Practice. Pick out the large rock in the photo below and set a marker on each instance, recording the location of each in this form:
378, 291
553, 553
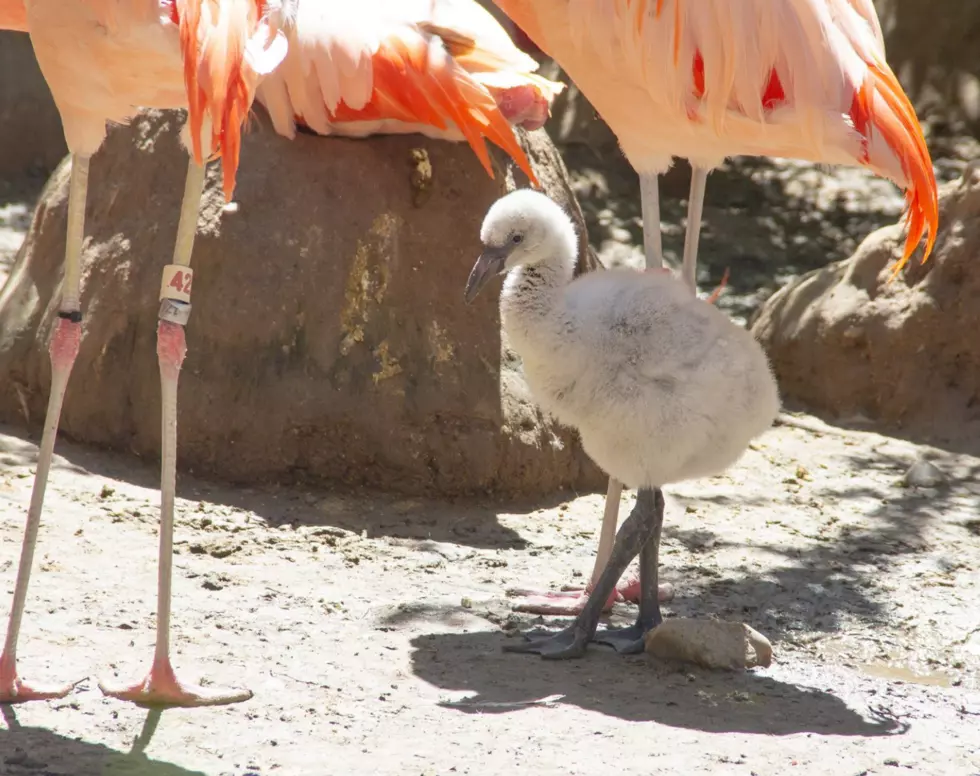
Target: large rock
31, 137
328, 340
845, 341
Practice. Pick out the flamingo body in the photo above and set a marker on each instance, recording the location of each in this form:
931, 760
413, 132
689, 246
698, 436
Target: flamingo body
13, 16
105, 59
704, 80
114, 83
444, 68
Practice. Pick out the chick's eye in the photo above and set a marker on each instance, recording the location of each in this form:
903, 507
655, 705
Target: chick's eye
517, 238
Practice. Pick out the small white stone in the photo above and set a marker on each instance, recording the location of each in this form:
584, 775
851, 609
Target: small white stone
923, 474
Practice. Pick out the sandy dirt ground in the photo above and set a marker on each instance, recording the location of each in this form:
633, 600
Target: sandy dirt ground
370, 628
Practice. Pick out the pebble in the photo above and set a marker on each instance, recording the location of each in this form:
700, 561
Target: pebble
923, 474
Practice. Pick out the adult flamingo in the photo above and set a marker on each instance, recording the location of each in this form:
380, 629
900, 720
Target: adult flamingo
382, 65
709, 79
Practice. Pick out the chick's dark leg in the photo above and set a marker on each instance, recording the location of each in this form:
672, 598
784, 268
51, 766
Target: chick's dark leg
636, 532
629, 641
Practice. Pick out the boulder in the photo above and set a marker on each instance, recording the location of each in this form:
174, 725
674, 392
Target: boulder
329, 340
845, 341
31, 138
710, 644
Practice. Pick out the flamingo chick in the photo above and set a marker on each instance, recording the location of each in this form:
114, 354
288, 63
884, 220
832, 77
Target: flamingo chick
661, 386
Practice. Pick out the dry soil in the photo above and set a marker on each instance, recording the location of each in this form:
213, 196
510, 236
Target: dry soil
370, 629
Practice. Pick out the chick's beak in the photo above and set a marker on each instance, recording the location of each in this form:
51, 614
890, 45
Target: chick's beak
490, 263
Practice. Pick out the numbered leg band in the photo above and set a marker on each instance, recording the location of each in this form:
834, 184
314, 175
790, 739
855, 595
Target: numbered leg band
176, 283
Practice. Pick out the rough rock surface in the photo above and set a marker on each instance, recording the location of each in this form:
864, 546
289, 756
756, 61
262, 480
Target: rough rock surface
710, 643
31, 138
844, 340
329, 339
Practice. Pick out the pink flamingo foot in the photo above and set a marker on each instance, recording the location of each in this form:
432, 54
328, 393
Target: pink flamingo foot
567, 602
630, 591
524, 106
16, 690
571, 599
161, 687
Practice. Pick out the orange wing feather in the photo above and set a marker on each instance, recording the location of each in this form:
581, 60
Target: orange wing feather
898, 125
900, 128
411, 88
219, 82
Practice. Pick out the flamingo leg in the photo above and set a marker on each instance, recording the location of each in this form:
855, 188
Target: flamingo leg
647, 588
653, 252
636, 533
653, 245
631, 640
639, 590
572, 600
161, 687
63, 350
695, 209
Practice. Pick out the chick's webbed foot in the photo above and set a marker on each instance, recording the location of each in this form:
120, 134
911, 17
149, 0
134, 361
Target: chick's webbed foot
568, 643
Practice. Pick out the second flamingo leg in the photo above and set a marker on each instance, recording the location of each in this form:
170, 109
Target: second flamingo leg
161, 687
63, 350
632, 589
635, 533
571, 600
692, 236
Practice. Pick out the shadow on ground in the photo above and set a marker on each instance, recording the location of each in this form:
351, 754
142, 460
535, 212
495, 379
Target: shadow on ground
956, 439
634, 689
835, 576
26, 750
839, 574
